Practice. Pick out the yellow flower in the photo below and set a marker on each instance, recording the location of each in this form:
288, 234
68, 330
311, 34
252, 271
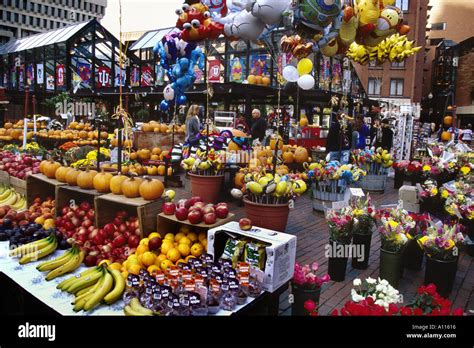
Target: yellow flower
434, 191
393, 224
465, 170
445, 194
426, 168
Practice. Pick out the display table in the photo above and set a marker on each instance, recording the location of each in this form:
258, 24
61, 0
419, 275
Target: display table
33, 281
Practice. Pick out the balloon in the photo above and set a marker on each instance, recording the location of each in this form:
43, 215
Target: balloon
268, 11
290, 73
218, 8
245, 26
306, 82
195, 23
290, 87
168, 92
236, 193
305, 66
181, 100
164, 105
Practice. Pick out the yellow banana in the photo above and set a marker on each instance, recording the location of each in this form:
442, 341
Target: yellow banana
34, 256
5, 194
11, 199
55, 263
20, 204
80, 301
31, 247
137, 307
119, 287
85, 290
84, 282
76, 278
68, 267
11, 195
132, 313
100, 293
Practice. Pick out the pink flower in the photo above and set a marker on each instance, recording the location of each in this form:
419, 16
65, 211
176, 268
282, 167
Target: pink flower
314, 266
310, 305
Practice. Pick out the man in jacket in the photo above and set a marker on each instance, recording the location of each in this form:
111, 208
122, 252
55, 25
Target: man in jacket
259, 126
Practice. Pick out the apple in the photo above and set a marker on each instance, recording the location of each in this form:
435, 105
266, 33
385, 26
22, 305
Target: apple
199, 205
119, 241
90, 214
183, 203
85, 206
195, 216
193, 200
181, 213
98, 239
168, 208
222, 211
222, 204
134, 241
208, 209
109, 229
245, 224
195, 208
154, 243
90, 260
210, 218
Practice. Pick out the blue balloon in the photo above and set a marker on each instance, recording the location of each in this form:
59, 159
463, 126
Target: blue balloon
181, 99
164, 105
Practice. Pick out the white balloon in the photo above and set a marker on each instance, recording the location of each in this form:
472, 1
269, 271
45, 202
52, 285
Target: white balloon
236, 193
245, 26
168, 92
306, 82
290, 73
269, 11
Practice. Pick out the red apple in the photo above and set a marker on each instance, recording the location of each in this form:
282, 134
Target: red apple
245, 224
182, 203
85, 206
119, 241
154, 243
109, 229
168, 208
134, 241
194, 200
208, 209
181, 213
90, 214
210, 218
223, 204
195, 217
90, 260
98, 239
222, 211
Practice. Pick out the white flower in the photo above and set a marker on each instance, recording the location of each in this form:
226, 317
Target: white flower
356, 297
357, 282
380, 288
383, 282
371, 281
380, 302
381, 295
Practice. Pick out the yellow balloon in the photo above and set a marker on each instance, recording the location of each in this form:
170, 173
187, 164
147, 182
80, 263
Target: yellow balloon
305, 66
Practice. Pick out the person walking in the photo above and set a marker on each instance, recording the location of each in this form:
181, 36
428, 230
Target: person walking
259, 126
193, 125
363, 131
387, 135
339, 140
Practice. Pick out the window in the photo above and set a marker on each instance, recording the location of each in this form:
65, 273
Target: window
9, 16
45, 23
374, 86
53, 11
31, 20
40, 8
32, 6
17, 3
24, 4
16, 17
398, 65
438, 26
435, 42
373, 65
10, 3
396, 87
51, 24
38, 22
60, 12
403, 5
46, 9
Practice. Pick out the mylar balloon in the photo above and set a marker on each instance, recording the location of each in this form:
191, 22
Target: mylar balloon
305, 66
236, 193
168, 92
306, 82
164, 106
290, 73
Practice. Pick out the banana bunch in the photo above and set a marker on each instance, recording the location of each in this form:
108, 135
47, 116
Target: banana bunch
35, 250
188, 163
135, 309
93, 286
260, 183
8, 196
66, 263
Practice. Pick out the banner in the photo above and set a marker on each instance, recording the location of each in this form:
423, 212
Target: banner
214, 71
30, 75
60, 75
84, 72
103, 77
199, 74
135, 77
237, 70
325, 73
336, 84
159, 75
49, 82
117, 81
147, 76
39, 73
259, 64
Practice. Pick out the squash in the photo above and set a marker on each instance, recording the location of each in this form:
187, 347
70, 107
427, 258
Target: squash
144, 154
104, 135
288, 157
133, 156
448, 120
101, 182
301, 155
161, 170
115, 184
446, 136
233, 146
156, 151
163, 128
282, 170
71, 176
85, 179
60, 174
239, 180
273, 143
155, 158
152, 170
50, 167
147, 127
151, 189
131, 187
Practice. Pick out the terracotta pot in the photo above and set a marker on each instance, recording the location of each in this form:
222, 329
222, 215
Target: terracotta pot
207, 187
270, 216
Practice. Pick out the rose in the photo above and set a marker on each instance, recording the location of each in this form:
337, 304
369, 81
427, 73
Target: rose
310, 305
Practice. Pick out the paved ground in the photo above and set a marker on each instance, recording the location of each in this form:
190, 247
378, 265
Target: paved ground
311, 230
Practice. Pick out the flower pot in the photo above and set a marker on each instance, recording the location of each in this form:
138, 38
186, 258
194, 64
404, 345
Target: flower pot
300, 296
391, 267
399, 179
270, 216
413, 256
442, 274
361, 242
337, 265
206, 187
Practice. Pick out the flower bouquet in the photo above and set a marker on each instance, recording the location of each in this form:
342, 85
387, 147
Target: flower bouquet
364, 214
430, 200
379, 290
374, 162
306, 286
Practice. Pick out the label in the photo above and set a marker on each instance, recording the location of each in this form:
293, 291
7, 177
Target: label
170, 304
215, 267
196, 263
185, 266
233, 284
208, 258
231, 273
244, 279
157, 295
225, 287
189, 285
176, 303
165, 291
194, 299
243, 267
199, 280
187, 275
160, 277
218, 278
173, 270
225, 263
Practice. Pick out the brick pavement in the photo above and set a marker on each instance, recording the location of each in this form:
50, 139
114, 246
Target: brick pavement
312, 236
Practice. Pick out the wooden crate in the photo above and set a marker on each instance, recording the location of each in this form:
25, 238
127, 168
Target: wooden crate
149, 140
39, 185
170, 224
65, 194
107, 206
18, 184
4, 177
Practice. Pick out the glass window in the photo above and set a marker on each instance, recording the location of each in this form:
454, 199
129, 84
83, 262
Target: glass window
9, 16
17, 3
24, 4
40, 8
45, 23
32, 6
398, 65
438, 26
373, 65
60, 12
403, 5
16, 17
374, 86
38, 21
396, 87
10, 3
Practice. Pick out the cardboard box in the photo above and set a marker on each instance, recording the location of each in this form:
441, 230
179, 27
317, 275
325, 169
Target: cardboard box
408, 194
411, 207
280, 251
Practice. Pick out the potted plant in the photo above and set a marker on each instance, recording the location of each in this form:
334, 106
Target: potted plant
306, 286
363, 213
340, 236
205, 170
376, 164
440, 245
393, 240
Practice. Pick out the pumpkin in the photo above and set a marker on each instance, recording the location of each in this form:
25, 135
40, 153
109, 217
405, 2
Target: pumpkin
104, 135
127, 143
156, 151
61, 173
133, 156
71, 177
125, 169
49, 168
161, 170
233, 146
282, 170
8, 125
152, 170
164, 154
301, 155
144, 154
266, 81
446, 136
147, 127
239, 180
115, 183
448, 120
151, 189
303, 122
155, 157
163, 128
101, 182
131, 187
114, 142
85, 179
288, 157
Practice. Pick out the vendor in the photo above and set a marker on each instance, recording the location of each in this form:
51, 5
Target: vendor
259, 126
339, 139
193, 125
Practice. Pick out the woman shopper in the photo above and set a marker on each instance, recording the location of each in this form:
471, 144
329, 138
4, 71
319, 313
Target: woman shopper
193, 125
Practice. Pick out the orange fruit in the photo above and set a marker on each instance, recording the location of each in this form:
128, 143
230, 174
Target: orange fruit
173, 255
116, 266
159, 259
165, 247
169, 236
197, 249
144, 241
142, 249
185, 240
202, 236
153, 268
134, 269
178, 236
165, 264
148, 259
184, 249
192, 237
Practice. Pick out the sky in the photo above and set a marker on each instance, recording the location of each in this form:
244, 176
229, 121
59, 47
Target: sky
140, 15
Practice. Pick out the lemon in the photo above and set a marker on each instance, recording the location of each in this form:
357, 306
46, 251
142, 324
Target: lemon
160, 259
134, 269
186, 240
144, 241
165, 264
197, 249
148, 259
141, 249
169, 236
192, 237
202, 236
153, 235
173, 255
178, 236
204, 244
184, 249
165, 247
117, 266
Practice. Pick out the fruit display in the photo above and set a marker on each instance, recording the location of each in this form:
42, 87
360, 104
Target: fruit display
19, 166
23, 234
195, 211
66, 263
35, 250
156, 127
114, 242
9, 134
94, 286
135, 309
11, 199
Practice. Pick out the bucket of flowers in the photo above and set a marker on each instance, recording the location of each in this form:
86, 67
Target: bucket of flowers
441, 245
430, 200
376, 163
306, 286
364, 215
340, 224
